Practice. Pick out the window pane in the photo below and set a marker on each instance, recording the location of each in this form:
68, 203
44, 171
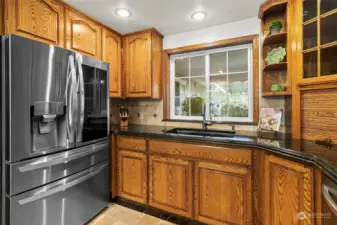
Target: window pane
328, 5
310, 35
181, 94
310, 64
238, 60
218, 95
328, 32
181, 67
198, 93
309, 9
328, 61
218, 63
197, 66
238, 100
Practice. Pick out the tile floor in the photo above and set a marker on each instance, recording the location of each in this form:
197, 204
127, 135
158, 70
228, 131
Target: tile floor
119, 215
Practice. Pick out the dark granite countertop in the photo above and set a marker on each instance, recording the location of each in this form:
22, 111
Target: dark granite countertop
303, 151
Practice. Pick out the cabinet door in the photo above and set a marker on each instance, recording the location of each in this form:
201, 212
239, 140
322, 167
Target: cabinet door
132, 176
288, 191
83, 35
170, 184
223, 194
41, 20
138, 65
112, 54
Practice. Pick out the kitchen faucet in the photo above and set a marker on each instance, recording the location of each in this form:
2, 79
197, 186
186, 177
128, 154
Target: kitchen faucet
204, 122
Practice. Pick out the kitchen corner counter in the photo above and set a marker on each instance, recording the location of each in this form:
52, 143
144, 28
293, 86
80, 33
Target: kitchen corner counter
303, 151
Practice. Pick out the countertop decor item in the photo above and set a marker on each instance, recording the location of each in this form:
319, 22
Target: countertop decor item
270, 119
275, 27
124, 115
276, 55
277, 88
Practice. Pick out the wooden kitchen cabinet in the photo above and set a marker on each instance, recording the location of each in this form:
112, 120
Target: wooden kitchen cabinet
41, 20
82, 34
170, 184
132, 176
223, 193
111, 53
288, 190
143, 64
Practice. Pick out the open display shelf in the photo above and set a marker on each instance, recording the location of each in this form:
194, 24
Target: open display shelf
277, 73
276, 66
275, 39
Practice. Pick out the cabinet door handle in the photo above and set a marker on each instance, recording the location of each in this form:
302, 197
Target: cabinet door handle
326, 190
326, 142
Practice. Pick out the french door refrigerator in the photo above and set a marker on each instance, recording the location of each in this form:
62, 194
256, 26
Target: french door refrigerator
54, 134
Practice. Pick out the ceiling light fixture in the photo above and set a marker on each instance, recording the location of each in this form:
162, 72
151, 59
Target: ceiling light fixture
125, 13
199, 15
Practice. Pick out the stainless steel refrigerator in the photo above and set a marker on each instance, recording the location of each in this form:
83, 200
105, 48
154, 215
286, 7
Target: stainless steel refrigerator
54, 134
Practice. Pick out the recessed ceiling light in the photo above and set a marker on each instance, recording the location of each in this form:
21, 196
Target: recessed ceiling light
125, 13
199, 15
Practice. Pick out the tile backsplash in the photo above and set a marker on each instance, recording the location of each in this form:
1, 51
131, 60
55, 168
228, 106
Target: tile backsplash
150, 112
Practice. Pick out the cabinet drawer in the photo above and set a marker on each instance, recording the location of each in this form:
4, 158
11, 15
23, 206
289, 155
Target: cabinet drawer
131, 143
235, 155
319, 114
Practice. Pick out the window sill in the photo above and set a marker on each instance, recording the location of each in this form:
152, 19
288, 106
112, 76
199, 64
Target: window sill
213, 122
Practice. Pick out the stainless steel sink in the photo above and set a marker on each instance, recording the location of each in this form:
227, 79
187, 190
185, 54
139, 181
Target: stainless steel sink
201, 132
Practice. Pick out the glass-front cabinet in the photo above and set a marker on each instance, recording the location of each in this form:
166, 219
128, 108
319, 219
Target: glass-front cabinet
319, 40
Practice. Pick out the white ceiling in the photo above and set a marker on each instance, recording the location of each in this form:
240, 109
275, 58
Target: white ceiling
167, 16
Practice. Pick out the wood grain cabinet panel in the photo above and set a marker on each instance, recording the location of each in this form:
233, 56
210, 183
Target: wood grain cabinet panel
132, 143
83, 35
138, 65
288, 191
142, 55
223, 194
132, 176
111, 53
318, 115
41, 20
170, 184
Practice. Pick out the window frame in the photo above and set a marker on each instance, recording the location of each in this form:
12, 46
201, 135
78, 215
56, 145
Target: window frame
206, 54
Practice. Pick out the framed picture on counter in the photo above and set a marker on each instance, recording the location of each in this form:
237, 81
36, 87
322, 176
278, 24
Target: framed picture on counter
270, 119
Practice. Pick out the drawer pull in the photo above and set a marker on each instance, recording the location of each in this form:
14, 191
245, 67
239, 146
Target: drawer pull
326, 142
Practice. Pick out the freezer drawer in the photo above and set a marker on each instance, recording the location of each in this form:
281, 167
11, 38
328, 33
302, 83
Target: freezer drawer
71, 201
30, 174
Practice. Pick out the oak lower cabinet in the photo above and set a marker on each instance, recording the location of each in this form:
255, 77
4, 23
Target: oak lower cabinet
288, 191
170, 184
41, 20
132, 176
111, 53
142, 54
223, 194
82, 34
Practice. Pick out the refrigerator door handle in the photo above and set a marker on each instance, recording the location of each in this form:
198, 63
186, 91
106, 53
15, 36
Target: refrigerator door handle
80, 89
63, 157
64, 187
71, 82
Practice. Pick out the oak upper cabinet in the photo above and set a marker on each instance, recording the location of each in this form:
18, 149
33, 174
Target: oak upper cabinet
223, 194
287, 192
82, 34
132, 176
143, 64
111, 53
170, 184
41, 20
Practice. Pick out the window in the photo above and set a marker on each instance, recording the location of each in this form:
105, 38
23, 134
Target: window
221, 78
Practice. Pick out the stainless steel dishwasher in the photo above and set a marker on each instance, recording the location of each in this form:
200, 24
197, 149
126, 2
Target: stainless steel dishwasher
329, 202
